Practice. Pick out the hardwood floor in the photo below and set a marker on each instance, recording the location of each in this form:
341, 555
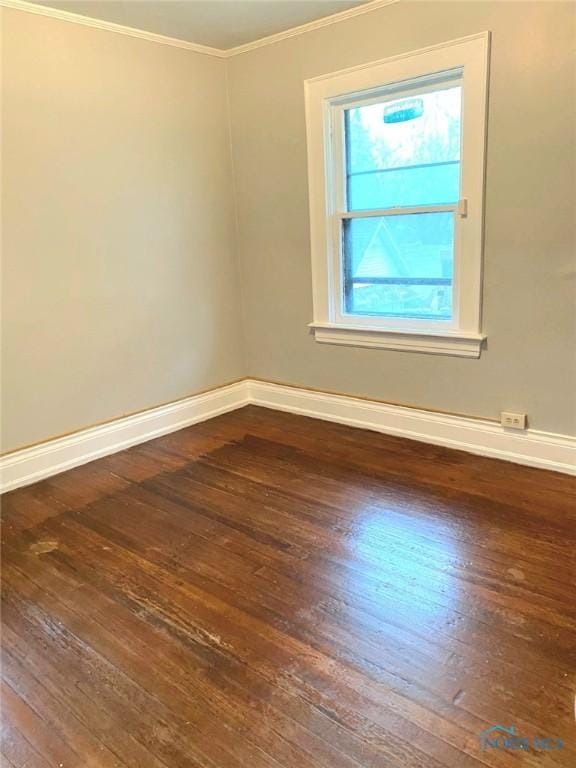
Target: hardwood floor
267, 590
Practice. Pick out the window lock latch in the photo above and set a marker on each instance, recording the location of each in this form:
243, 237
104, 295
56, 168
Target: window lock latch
462, 207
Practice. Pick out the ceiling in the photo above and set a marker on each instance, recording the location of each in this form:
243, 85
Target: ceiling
217, 23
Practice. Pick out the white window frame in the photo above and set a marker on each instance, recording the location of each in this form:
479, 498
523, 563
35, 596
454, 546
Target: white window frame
326, 99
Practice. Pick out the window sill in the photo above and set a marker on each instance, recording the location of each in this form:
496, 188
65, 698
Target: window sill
454, 343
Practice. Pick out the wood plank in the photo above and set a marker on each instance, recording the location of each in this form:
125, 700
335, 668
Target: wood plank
268, 590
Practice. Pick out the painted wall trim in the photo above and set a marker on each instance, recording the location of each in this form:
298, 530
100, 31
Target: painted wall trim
109, 26
531, 447
334, 18
459, 344
40, 461
485, 438
76, 18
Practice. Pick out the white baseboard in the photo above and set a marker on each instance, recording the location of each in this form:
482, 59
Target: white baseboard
40, 461
485, 438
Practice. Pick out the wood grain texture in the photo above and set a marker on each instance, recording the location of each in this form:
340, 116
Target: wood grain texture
270, 591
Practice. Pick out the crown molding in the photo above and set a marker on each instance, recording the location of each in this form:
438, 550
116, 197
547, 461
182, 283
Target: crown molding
109, 26
76, 18
326, 21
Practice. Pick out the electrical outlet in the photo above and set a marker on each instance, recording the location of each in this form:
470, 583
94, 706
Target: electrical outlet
513, 420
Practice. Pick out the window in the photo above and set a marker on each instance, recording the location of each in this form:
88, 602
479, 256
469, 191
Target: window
396, 171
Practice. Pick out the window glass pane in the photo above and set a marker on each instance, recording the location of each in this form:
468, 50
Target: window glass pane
405, 151
399, 266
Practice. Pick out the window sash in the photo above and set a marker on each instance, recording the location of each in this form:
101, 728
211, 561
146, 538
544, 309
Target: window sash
387, 93
403, 88
337, 193
369, 213
342, 282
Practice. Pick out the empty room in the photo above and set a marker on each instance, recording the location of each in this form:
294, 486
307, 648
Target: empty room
288, 424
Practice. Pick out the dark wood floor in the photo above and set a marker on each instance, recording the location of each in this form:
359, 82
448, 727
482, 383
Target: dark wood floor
266, 590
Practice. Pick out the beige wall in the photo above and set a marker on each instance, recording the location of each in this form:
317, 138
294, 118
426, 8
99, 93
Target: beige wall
529, 297
120, 285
